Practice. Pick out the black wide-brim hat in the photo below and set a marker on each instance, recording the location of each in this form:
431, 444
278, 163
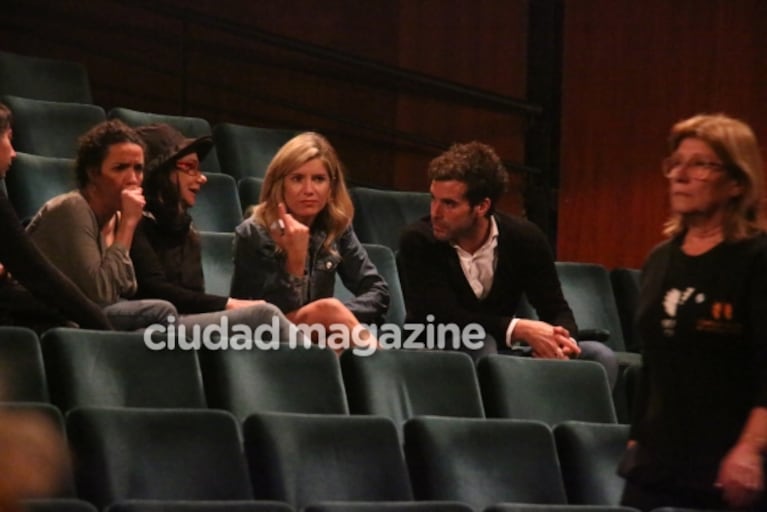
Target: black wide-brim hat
165, 144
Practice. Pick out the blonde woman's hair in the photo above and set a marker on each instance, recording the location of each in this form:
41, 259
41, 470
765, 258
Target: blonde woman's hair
337, 215
735, 144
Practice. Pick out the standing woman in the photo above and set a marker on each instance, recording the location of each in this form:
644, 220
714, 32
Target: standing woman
300, 235
33, 292
166, 251
700, 427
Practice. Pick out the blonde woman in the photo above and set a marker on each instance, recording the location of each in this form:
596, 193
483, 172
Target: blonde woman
300, 235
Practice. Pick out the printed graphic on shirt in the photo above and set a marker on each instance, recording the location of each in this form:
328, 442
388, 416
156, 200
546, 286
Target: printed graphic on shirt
718, 319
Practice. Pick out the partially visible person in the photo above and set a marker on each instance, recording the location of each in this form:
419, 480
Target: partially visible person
468, 263
166, 250
300, 235
699, 432
88, 233
33, 293
35, 461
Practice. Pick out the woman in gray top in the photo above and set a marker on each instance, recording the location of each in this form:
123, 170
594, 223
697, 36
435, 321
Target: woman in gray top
87, 233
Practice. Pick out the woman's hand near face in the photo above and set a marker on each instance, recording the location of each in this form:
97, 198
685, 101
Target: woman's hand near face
292, 237
132, 204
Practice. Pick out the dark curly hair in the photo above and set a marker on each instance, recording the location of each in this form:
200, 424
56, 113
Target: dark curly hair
475, 164
94, 144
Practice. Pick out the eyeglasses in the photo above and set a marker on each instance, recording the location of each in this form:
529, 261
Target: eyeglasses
696, 168
190, 168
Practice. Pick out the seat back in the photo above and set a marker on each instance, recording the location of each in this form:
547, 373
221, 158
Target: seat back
288, 379
547, 390
22, 375
482, 462
384, 260
250, 193
218, 204
164, 454
44, 78
401, 384
625, 282
395, 506
589, 454
102, 368
247, 150
309, 458
197, 506
380, 215
50, 128
192, 127
58, 505
33, 180
587, 289
217, 261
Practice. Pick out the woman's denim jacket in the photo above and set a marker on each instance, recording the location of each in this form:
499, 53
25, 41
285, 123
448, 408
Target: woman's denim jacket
259, 273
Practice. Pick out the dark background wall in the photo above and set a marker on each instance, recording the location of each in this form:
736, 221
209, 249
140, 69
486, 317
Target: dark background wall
632, 69
611, 76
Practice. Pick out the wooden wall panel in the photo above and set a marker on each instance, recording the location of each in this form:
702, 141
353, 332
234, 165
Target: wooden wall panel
197, 58
632, 69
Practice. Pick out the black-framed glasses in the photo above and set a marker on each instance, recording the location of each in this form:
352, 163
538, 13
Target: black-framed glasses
189, 168
696, 168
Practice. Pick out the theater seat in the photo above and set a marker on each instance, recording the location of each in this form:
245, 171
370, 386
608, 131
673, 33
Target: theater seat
288, 379
44, 78
482, 462
625, 283
381, 214
250, 193
156, 454
218, 205
306, 459
384, 260
401, 384
105, 368
57, 505
247, 150
51, 128
197, 506
547, 390
32, 180
217, 261
589, 454
22, 375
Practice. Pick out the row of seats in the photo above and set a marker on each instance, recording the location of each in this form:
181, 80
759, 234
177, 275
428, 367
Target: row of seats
73, 368
51, 128
304, 459
222, 202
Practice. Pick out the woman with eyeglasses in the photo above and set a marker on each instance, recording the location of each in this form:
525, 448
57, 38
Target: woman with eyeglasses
699, 431
166, 252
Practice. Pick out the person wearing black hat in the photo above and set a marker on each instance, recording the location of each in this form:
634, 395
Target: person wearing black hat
166, 252
87, 233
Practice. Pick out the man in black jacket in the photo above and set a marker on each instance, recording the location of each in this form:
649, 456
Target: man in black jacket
467, 263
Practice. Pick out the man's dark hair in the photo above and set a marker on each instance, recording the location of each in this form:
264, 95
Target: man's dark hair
94, 145
475, 164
